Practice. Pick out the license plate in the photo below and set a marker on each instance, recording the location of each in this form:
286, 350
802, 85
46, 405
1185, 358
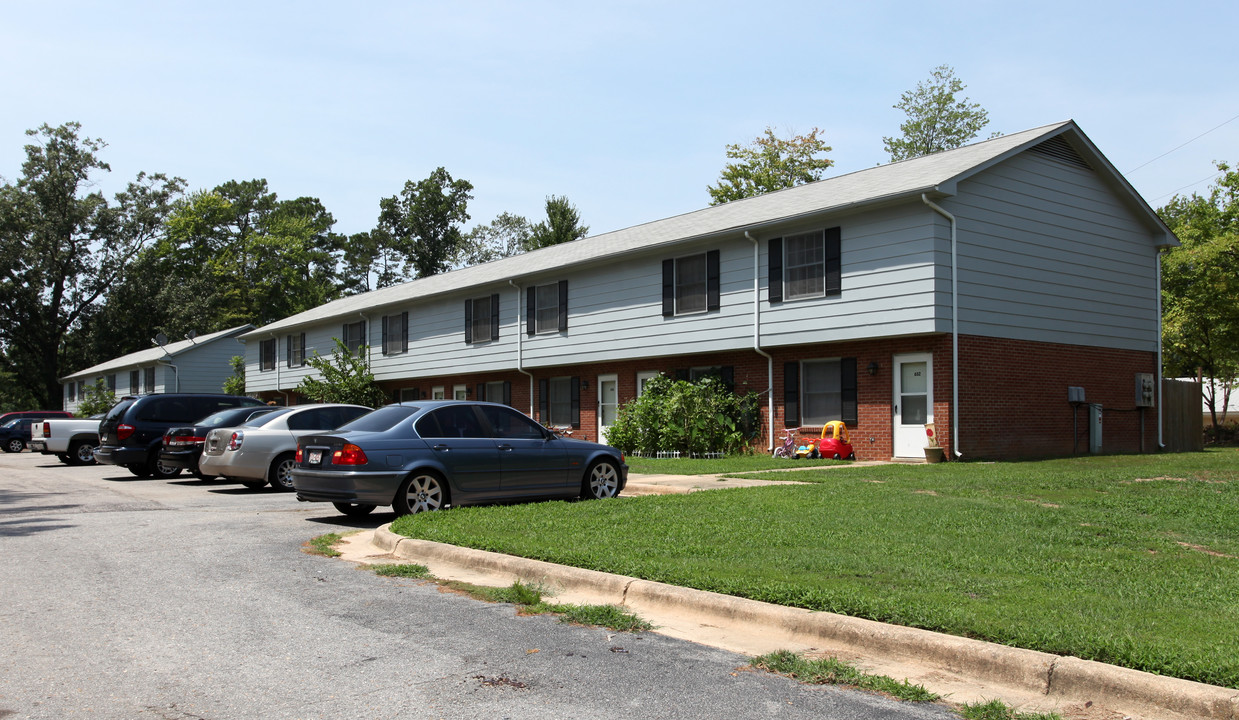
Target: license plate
315, 457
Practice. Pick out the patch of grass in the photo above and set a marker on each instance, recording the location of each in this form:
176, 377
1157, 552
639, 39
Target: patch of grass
404, 570
729, 464
529, 601
832, 671
1128, 560
998, 710
323, 545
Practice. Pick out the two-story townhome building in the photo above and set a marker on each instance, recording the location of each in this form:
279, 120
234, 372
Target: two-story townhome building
199, 365
970, 288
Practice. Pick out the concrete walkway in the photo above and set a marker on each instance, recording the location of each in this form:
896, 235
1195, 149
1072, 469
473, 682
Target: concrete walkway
960, 669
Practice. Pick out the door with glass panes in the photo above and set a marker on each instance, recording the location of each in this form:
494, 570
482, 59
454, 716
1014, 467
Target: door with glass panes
913, 403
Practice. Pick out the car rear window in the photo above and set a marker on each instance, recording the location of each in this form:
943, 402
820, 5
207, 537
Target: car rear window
268, 417
384, 418
119, 409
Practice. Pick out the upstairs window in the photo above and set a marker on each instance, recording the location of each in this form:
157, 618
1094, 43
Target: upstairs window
482, 319
354, 336
266, 354
133, 382
296, 350
112, 383
805, 265
691, 284
396, 333
71, 391
148, 379
547, 308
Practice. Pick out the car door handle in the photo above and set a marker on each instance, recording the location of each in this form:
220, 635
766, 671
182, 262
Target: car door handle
505, 446
441, 446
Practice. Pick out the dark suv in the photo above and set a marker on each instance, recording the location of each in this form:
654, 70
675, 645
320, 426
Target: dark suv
131, 434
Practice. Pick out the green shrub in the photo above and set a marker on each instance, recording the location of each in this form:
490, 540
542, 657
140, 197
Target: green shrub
692, 418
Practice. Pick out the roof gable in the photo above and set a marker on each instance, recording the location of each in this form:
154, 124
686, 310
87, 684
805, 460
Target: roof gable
150, 355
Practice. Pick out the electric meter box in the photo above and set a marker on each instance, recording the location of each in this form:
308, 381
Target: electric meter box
1075, 395
1144, 390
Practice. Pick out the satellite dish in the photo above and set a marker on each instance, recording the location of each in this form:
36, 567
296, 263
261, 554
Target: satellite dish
161, 339
191, 335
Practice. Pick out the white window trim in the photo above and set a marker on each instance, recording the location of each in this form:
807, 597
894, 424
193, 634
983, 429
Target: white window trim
438, 393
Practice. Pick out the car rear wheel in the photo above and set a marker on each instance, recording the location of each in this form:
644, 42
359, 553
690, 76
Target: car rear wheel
161, 470
281, 472
602, 481
354, 509
81, 452
421, 492
14, 445
140, 469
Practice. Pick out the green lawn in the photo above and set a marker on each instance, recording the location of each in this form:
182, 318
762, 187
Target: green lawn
1131, 560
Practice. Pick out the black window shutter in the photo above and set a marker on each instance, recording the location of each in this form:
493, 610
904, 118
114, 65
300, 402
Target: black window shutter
712, 283
531, 311
563, 306
791, 394
507, 393
494, 316
482, 391
543, 402
395, 395
576, 401
468, 322
774, 281
834, 264
847, 386
404, 332
385, 334
288, 351
727, 374
682, 374
302, 347
344, 336
668, 288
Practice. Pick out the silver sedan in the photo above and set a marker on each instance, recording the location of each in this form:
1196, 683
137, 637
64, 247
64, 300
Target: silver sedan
263, 449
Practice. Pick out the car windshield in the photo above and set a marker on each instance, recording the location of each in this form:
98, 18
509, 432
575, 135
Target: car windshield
232, 416
12, 423
382, 419
266, 418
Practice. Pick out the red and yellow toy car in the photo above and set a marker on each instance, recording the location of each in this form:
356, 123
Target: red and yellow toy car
835, 442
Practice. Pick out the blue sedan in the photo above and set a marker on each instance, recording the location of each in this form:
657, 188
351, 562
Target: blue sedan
423, 456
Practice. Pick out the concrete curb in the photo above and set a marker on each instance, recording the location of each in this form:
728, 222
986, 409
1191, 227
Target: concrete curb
1067, 679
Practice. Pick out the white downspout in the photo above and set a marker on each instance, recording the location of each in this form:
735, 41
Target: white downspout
1161, 445
520, 343
757, 336
954, 327
277, 369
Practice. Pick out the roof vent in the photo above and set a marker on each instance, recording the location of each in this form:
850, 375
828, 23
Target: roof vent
1059, 149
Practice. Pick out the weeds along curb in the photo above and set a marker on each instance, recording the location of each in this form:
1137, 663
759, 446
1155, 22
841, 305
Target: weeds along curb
1064, 678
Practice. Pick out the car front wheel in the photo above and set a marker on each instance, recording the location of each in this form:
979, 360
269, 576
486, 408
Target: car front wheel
421, 492
602, 481
281, 472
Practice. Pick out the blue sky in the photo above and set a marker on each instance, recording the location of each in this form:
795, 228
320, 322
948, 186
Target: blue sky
624, 107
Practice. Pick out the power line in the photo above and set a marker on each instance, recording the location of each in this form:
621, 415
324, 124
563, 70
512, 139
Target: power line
1189, 142
1176, 192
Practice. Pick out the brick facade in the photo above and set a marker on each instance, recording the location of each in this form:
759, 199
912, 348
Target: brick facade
1013, 394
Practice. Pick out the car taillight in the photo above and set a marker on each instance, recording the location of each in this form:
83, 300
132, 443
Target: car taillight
123, 431
349, 455
47, 429
297, 459
234, 443
181, 440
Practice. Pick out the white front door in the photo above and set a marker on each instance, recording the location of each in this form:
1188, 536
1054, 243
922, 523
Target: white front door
608, 404
913, 403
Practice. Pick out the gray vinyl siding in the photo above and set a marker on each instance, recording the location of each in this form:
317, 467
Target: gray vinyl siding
202, 369
1048, 253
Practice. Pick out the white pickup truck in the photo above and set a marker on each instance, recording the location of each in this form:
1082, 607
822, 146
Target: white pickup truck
73, 441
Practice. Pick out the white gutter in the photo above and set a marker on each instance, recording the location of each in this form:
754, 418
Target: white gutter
954, 327
757, 336
520, 342
1161, 444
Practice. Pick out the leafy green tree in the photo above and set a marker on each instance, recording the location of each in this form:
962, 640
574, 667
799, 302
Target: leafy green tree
63, 245
936, 120
1200, 289
424, 221
235, 384
345, 378
562, 224
771, 163
505, 236
690, 417
96, 399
